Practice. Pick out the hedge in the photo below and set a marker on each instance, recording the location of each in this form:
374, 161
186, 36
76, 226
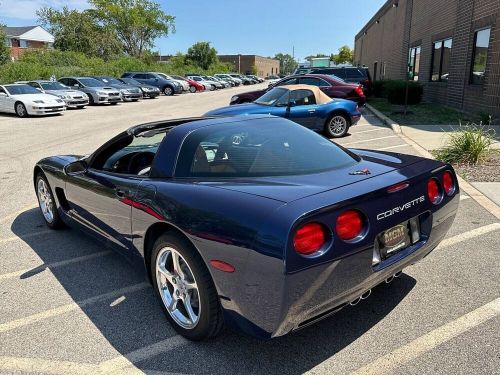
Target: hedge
42, 64
395, 91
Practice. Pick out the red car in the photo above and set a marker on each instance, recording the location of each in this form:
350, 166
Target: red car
331, 86
193, 85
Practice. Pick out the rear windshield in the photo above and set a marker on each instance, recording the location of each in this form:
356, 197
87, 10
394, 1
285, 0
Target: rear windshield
259, 148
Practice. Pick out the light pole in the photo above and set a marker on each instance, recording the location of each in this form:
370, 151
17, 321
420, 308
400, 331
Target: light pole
407, 61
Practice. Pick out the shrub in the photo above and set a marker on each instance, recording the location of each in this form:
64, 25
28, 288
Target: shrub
468, 144
395, 91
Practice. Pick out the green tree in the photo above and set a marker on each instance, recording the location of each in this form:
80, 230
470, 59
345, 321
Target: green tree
137, 23
202, 55
344, 56
4, 50
287, 63
79, 31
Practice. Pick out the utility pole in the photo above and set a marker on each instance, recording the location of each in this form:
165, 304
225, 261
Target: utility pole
407, 61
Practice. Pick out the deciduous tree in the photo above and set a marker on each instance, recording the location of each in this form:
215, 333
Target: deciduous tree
287, 63
202, 55
4, 50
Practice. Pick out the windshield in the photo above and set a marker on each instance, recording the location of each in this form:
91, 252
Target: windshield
110, 80
53, 86
130, 81
265, 147
91, 82
272, 97
21, 89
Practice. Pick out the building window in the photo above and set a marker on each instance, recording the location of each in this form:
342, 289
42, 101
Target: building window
479, 56
23, 43
414, 63
441, 54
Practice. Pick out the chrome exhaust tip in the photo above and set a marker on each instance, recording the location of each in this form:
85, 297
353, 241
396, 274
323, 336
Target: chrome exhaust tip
397, 274
355, 302
389, 279
366, 294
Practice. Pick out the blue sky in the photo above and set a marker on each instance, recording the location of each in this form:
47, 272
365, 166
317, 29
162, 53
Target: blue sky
262, 27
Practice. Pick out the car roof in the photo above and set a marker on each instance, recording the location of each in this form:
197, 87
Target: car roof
320, 96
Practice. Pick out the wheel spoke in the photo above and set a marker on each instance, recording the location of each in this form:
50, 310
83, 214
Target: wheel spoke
189, 308
191, 285
172, 305
177, 264
165, 273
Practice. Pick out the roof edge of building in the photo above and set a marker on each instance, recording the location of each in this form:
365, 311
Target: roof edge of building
381, 12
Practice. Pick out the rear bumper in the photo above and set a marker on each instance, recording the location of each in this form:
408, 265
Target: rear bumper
298, 299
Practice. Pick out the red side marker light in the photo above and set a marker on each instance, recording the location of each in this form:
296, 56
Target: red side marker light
222, 266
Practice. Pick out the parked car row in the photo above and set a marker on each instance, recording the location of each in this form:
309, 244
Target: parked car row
42, 97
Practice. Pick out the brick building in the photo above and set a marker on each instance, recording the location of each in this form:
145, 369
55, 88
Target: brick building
451, 46
20, 39
244, 64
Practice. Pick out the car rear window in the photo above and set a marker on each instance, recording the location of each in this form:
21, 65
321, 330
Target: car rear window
264, 147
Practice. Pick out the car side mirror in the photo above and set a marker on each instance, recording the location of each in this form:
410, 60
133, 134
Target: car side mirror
3, 94
76, 85
76, 167
157, 79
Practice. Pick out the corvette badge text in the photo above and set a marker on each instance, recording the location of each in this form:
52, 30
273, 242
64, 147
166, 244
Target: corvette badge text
401, 208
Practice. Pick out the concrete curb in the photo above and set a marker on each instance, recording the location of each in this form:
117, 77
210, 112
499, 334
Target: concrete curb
475, 194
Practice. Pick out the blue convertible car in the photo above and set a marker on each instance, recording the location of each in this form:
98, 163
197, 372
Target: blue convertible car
251, 222
306, 105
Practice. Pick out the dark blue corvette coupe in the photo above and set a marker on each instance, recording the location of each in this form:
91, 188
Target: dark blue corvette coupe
304, 104
251, 222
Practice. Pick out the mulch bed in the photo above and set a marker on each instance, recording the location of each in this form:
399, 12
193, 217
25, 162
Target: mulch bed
487, 171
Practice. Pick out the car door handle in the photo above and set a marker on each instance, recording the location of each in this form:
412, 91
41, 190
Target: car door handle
311, 110
120, 193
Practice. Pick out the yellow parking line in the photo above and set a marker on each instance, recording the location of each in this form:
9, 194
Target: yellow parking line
395, 359
469, 234
14, 214
4, 327
24, 236
61, 263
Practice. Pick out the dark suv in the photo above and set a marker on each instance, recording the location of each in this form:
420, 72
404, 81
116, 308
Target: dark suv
350, 74
167, 86
334, 88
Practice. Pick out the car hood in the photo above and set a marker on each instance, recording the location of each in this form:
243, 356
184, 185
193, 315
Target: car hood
105, 88
239, 109
47, 98
290, 188
64, 92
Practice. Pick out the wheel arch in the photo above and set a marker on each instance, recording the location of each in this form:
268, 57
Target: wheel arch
339, 111
36, 171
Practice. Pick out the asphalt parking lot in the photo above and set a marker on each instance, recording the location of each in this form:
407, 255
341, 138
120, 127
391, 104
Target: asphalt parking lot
70, 306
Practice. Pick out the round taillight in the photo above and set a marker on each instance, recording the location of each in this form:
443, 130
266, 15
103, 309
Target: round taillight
433, 192
309, 238
448, 184
349, 225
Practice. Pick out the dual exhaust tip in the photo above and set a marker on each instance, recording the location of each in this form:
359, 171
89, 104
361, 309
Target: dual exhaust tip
367, 294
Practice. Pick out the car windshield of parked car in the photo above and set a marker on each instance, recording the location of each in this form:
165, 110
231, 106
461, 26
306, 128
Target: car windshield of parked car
21, 89
91, 82
270, 147
130, 81
336, 78
53, 86
110, 80
275, 96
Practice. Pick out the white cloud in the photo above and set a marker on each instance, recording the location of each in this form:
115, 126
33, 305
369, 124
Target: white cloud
26, 9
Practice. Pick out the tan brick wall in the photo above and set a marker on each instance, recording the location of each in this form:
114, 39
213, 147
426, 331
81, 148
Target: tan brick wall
244, 64
432, 20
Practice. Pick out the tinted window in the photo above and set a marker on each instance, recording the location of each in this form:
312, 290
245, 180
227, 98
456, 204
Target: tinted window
291, 81
21, 90
303, 97
323, 83
481, 43
53, 86
91, 82
271, 147
309, 81
110, 80
441, 54
272, 97
141, 76
354, 73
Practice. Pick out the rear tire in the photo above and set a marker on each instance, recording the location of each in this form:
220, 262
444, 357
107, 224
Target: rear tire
192, 89
114, 103
201, 294
21, 110
91, 99
337, 126
47, 203
168, 91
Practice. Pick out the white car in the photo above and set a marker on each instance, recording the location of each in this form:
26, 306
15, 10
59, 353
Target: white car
72, 98
209, 85
24, 100
184, 84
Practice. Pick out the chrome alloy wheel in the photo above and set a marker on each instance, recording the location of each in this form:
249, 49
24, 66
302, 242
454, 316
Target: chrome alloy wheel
178, 288
45, 200
337, 125
20, 110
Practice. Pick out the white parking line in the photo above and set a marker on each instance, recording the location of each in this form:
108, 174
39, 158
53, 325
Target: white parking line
395, 359
369, 140
369, 131
24, 236
464, 197
4, 327
61, 263
45, 366
469, 234
391, 147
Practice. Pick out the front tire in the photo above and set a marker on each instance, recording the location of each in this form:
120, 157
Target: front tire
91, 99
337, 126
168, 91
192, 89
185, 289
21, 110
47, 203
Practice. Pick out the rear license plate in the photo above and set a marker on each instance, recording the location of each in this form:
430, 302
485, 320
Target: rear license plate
395, 239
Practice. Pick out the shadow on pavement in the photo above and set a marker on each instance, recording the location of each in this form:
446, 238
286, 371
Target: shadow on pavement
137, 321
